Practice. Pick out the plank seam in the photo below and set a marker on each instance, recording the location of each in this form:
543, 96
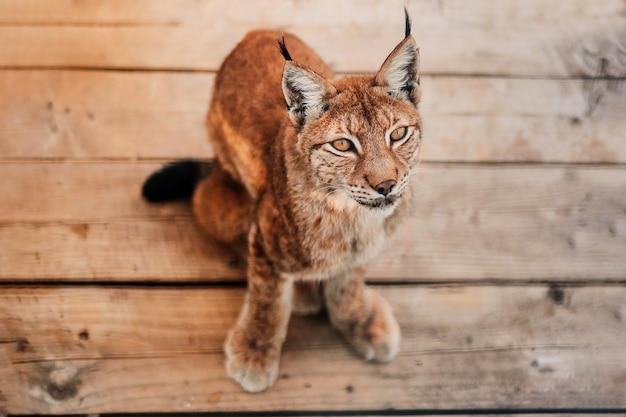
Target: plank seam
86, 24
436, 163
241, 283
537, 77
387, 412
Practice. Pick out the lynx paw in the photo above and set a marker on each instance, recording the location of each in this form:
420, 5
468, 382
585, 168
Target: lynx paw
254, 367
377, 337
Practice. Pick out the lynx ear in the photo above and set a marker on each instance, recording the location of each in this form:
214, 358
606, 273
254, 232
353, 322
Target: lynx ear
306, 93
400, 72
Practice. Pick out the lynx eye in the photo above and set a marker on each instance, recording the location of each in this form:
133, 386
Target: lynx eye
343, 145
398, 134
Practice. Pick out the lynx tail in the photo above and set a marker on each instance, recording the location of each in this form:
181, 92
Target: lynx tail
175, 181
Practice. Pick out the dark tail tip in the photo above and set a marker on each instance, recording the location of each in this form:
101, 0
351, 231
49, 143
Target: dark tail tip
175, 181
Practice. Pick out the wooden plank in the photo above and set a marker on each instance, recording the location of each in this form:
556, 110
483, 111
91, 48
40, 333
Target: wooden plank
86, 221
76, 114
96, 214
478, 119
86, 115
172, 250
511, 37
98, 350
40, 193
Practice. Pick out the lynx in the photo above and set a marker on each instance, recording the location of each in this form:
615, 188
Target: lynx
310, 180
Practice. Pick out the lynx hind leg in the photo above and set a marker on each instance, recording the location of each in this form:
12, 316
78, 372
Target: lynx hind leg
308, 298
222, 208
363, 317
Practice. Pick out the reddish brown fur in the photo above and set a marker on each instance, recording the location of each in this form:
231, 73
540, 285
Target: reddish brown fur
306, 212
231, 209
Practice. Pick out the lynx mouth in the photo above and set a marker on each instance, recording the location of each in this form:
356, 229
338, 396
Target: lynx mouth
379, 203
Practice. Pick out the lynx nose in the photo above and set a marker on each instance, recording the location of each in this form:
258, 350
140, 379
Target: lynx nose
385, 187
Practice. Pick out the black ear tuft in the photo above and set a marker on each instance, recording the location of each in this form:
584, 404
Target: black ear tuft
407, 23
283, 49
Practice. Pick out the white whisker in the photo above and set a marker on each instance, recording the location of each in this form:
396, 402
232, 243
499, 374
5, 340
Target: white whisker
416, 170
327, 188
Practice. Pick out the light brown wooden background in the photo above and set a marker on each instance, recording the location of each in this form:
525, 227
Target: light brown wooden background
509, 279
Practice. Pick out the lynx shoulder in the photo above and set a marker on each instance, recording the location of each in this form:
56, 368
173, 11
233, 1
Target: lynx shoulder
310, 179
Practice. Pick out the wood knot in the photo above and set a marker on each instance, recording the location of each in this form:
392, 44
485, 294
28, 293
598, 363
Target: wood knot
556, 294
60, 384
22, 345
62, 393
81, 230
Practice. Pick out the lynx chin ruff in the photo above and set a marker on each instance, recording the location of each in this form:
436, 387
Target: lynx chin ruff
310, 180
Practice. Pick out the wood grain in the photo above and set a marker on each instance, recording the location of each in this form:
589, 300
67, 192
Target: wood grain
89, 349
511, 37
87, 221
77, 114
520, 219
129, 115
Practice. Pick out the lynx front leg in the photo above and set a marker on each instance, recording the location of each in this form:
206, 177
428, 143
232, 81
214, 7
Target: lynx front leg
363, 316
254, 344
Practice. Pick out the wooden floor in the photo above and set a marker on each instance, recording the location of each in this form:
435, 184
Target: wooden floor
509, 280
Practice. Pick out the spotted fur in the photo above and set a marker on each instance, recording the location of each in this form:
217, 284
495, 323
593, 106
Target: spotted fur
308, 211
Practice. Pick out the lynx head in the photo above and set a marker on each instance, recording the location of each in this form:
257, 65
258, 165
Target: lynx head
361, 134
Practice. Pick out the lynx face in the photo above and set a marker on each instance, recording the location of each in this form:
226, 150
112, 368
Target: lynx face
361, 134
364, 147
